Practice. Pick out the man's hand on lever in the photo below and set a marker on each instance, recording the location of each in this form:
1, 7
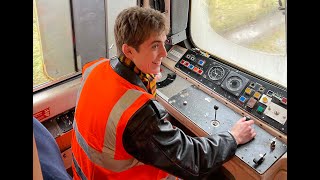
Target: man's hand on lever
242, 131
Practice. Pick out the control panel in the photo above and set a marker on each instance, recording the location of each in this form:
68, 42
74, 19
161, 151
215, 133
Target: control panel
260, 98
213, 116
208, 96
60, 124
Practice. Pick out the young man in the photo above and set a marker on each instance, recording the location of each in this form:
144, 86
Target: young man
121, 132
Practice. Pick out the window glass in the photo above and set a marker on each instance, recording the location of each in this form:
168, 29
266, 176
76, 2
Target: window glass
250, 34
53, 47
39, 76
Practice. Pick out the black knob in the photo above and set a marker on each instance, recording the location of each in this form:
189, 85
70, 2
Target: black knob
216, 107
248, 118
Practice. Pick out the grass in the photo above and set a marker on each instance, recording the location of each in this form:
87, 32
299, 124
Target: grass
227, 15
39, 76
233, 14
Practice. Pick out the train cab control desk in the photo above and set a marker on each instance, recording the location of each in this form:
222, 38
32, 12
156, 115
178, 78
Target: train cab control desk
208, 96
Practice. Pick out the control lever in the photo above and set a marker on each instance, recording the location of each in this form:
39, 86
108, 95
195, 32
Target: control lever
273, 143
247, 119
259, 160
215, 111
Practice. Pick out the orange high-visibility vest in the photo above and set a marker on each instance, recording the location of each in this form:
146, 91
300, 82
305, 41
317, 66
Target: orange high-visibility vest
105, 103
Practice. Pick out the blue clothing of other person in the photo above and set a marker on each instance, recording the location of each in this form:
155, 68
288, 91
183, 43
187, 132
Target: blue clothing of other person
51, 162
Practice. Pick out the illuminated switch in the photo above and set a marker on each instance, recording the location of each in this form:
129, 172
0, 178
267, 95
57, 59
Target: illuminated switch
242, 99
284, 100
248, 90
265, 99
260, 110
251, 102
201, 62
191, 66
257, 95
186, 63
182, 61
196, 69
200, 71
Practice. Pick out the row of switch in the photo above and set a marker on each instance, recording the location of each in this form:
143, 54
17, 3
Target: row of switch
191, 66
282, 100
266, 99
251, 102
192, 58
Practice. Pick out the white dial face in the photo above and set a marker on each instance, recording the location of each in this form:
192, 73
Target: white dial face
216, 73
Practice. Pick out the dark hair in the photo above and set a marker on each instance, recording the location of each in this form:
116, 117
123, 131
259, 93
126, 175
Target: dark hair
134, 25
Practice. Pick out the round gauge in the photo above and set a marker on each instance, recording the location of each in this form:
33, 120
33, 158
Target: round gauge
216, 73
234, 83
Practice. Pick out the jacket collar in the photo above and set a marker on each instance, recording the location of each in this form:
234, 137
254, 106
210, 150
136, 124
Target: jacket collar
126, 73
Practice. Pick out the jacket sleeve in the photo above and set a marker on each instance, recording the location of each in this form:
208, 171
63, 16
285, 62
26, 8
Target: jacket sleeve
151, 139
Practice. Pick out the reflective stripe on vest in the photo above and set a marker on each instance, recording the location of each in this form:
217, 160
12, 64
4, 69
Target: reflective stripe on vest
105, 158
78, 169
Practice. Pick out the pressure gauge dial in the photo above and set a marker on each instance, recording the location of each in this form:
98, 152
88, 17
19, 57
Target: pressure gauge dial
216, 73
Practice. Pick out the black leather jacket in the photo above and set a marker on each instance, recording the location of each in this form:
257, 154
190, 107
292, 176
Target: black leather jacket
152, 139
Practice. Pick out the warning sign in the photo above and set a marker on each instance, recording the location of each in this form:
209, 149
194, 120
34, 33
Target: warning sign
42, 114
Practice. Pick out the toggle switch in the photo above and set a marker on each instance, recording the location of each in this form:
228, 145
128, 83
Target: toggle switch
259, 160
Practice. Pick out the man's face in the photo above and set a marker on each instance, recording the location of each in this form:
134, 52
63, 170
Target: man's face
150, 54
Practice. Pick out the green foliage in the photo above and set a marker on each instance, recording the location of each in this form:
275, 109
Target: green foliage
39, 76
226, 15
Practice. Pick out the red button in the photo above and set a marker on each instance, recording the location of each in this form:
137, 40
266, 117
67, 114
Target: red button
284, 100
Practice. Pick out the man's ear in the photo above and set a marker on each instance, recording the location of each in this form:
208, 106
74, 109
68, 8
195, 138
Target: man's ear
127, 51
